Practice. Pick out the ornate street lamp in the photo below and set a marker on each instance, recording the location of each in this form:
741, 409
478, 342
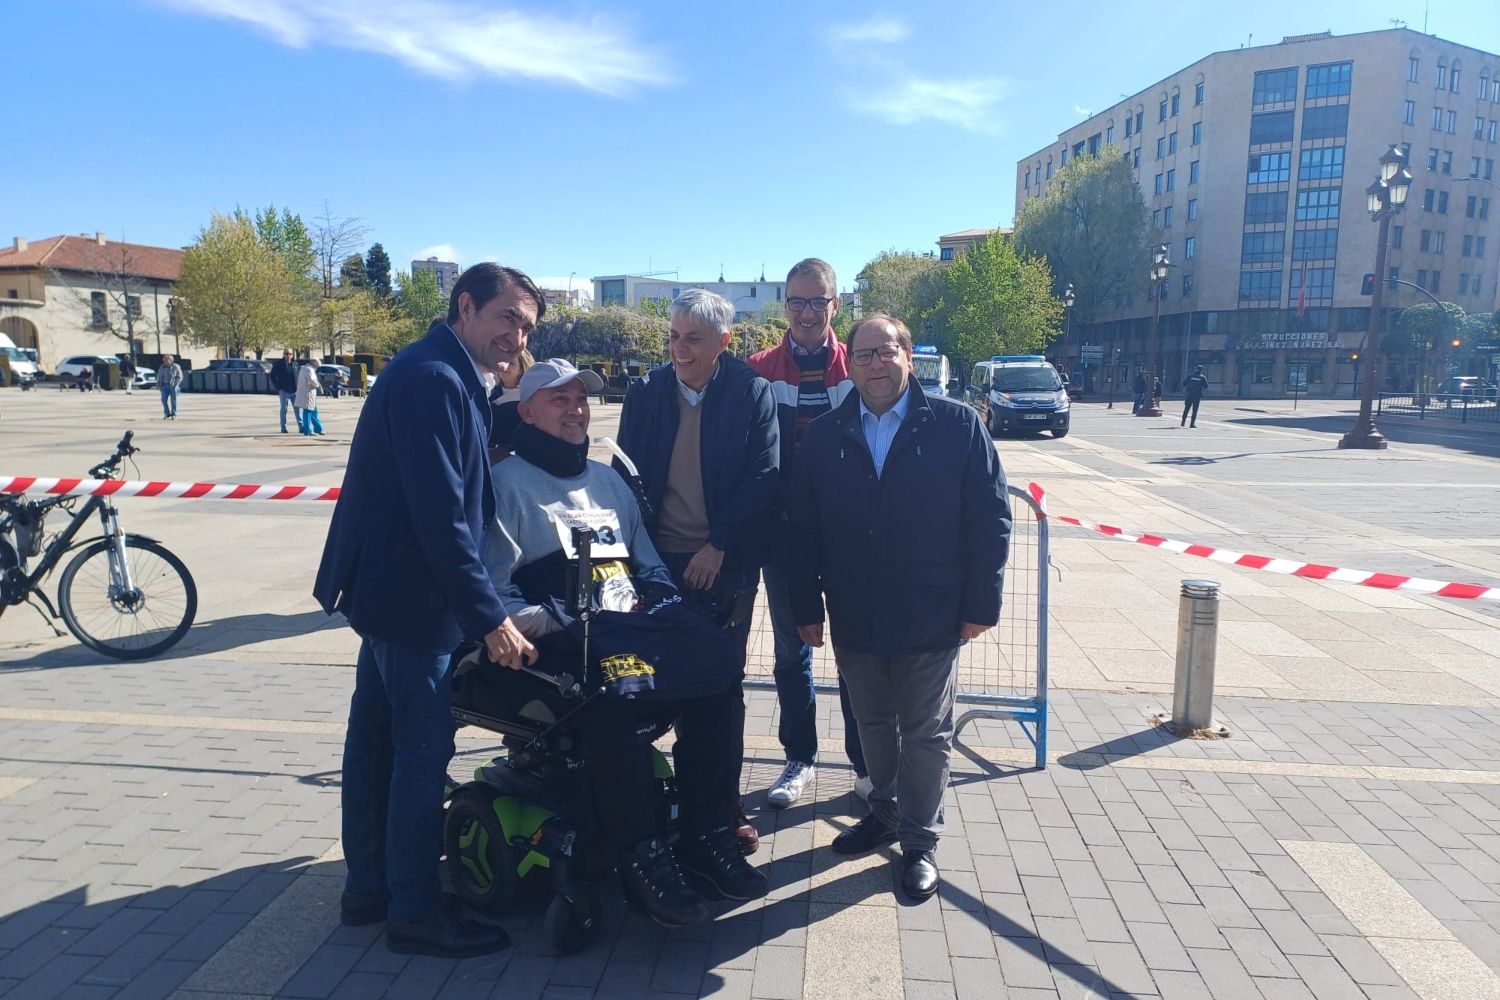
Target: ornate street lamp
1160, 266
1068, 298
1384, 199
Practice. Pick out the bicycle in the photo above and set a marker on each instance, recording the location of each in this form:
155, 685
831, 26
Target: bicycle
125, 596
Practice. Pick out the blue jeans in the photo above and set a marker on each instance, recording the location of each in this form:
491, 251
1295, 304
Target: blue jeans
287, 399
798, 729
308, 422
168, 400
396, 754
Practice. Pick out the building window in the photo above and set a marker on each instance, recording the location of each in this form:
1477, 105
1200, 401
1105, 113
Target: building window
1432, 158
1490, 132
1193, 172
1135, 160
1198, 95
1274, 86
1270, 168
1156, 218
1191, 248
1437, 282
1422, 278
1166, 217
1442, 203
1433, 241
1413, 69
1427, 197
1187, 285
1077, 150
1396, 233
1321, 164
1471, 205
1463, 283
1273, 127
1197, 133
1171, 180
1094, 144
1484, 208
1161, 146
1319, 203
1315, 244
1318, 282
1172, 143
1176, 104
98, 310
1028, 179
1265, 209
133, 306
1447, 163
1158, 184
1409, 114
1479, 126
1128, 122
1437, 119
1109, 136
1329, 80
1442, 76
1474, 167
945, 253
1468, 250
1262, 248
1452, 122
1328, 122
1065, 156
1140, 120
1192, 209
1049, 168
1260, 286
1161, 115
1453, 80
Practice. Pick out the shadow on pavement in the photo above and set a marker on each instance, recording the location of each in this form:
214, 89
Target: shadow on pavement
1402, 430
216, 636
1131, 745
1201, 459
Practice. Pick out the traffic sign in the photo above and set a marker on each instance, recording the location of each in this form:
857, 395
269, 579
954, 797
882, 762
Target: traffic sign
1093, 352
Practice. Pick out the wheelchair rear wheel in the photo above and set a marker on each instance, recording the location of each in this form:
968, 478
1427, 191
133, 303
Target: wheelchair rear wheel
481, 862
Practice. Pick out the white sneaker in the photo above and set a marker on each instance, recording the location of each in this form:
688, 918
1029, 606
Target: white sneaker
788, 788
863, 786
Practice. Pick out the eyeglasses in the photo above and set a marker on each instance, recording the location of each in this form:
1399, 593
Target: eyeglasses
864, 356
818, 304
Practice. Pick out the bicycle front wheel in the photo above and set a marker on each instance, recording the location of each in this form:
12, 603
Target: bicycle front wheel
132, 623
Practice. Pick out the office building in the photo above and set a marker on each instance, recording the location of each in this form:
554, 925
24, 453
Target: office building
445, 271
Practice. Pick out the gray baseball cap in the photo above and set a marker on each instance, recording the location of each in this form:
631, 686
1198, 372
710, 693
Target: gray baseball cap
554, 373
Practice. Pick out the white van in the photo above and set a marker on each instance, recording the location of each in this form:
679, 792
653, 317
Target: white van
21, 365
931, 369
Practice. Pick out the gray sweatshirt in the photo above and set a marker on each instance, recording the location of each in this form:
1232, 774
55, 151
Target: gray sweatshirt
534, 512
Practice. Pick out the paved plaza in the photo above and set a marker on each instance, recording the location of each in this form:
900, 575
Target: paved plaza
171, 828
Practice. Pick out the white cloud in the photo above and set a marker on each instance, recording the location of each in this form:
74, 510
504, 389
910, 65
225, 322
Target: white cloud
1079, 109
881, 30
457, 39
442, 251
969, 104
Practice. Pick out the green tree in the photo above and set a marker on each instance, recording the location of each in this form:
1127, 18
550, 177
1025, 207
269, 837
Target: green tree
910, 286
378, 270
236, 292
416, 303
1091, 226
1425, 331
286, 234
622, 334
352, 273
1002, 302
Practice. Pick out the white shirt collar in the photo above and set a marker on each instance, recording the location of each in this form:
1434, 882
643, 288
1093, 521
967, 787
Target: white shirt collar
695, 396
898, 410
486, 379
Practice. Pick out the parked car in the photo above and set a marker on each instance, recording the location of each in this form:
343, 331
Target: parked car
333, 378
145, 378
79, 364
239, 365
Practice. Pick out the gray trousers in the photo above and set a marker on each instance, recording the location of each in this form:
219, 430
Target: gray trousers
904, 705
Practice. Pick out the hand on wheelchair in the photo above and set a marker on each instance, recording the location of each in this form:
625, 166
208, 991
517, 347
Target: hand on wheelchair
508, 647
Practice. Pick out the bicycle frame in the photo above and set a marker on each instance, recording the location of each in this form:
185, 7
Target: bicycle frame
64, 543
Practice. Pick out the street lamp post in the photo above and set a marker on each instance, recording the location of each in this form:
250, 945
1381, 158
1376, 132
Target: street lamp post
1159, 272
1068, 298
1385, 198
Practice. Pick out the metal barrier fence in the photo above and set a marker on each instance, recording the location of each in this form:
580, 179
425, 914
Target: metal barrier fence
1463, 408
1003, 673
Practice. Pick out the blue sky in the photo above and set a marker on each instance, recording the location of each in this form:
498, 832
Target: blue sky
590, 138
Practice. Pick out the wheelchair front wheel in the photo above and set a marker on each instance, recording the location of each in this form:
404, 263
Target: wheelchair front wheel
572, 921
481, 862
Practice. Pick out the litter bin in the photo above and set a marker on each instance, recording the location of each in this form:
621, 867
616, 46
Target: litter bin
107, 375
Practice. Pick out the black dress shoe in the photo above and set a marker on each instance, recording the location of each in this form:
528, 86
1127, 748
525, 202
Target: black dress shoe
653, 880
865, 836
356, 909
919, 873
446, 935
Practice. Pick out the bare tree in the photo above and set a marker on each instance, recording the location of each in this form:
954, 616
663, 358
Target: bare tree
115, 292
334, 241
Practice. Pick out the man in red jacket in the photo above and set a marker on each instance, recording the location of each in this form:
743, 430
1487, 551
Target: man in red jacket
809, 376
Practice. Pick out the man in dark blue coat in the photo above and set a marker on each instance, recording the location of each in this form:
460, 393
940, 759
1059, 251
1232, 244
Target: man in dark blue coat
901, 521
704, 435
403, 563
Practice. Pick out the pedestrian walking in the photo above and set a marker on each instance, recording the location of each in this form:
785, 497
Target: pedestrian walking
127, 372
1138, 386
703, 433
809, 376
900, 602
404, 564
1193, 388
284, 381
305, 401
169, 384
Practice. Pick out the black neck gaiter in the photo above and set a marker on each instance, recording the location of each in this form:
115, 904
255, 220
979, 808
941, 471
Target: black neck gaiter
551, 454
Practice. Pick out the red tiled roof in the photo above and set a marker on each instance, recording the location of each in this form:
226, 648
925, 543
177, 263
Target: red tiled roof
82, 253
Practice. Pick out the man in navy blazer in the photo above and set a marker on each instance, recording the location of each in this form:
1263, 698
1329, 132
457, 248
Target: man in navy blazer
403, 563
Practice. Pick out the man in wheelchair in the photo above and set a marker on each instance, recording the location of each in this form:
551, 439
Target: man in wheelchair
641, 657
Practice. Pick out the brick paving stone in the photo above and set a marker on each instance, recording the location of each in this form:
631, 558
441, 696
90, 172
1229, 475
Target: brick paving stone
1361, 961
1022, 963
976, 978
1135, 901
1194, 926
1100, 920
1160, 948
1225, 976
1115, 864
1079, 982
968, 934
924, 955
1009, 915
1326, 978
1320, 913
320, 974
1257, 891
1122, 969
926, 989
1257, 952
1289, 932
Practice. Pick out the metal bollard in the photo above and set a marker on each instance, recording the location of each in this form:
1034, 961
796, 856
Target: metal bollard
1197, 655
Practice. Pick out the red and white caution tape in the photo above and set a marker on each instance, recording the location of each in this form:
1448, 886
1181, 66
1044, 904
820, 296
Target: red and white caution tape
1273, 564
33, 486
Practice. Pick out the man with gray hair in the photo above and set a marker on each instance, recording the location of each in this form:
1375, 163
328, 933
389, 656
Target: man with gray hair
703, 432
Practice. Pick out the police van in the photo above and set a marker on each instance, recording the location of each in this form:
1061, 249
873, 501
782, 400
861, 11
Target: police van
931, 369
1019, 394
